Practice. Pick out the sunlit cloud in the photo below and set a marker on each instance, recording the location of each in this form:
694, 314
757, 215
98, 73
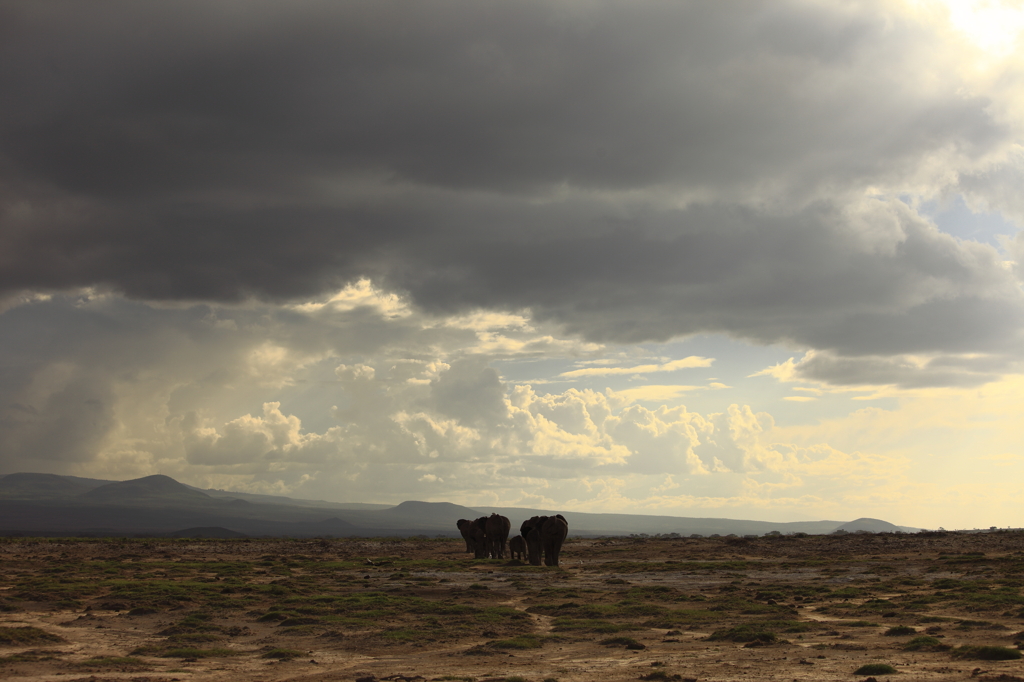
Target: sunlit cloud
683, 363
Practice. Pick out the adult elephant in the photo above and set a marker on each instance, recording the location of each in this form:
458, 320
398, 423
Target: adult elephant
497, 528
517, 548
478, 537
544, 535
463, 526
552, 534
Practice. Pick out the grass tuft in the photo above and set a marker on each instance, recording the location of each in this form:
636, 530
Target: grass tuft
748, 632
519, 642
985, 653
926, 643
900, 630
27, 634
875, 669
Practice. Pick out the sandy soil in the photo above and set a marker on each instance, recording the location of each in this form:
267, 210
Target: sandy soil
173, 610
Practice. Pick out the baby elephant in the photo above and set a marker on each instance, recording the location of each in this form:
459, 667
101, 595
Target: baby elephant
517, 546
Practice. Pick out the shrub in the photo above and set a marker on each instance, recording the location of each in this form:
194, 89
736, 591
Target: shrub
112, 662
26, 635
748, 632
626, 641
900, 630
919, 643
875, 669
198, 653
986, 653
282, 654
520, 642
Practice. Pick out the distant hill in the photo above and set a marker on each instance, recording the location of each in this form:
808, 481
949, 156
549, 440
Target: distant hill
158, 505
148, 490
215, 532
874, 526
291, 501
628, 524
45, 486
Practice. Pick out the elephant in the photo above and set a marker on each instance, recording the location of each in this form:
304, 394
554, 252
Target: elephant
497, 528
552, 535
544, 535
463, 525
517, 548
530, 531
478, 537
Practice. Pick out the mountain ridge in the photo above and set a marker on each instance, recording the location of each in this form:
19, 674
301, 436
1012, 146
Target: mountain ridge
158, 504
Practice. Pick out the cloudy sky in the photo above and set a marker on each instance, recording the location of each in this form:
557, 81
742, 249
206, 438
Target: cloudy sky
740, 259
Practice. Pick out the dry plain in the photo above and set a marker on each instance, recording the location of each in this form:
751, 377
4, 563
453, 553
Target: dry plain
938, 606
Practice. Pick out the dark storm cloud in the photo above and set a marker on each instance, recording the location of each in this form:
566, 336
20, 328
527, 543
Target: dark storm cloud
502, 155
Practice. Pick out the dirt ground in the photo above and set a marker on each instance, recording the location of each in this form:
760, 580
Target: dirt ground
811, 608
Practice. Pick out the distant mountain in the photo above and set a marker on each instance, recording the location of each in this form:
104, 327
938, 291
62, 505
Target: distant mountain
627, 524
158, 505
874, 526
148, 490
291, 501
215, 532
44, 486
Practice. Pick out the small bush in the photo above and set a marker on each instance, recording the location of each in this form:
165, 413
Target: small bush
198, 653
26, 635
661, 676
282, 654
112, 662
748, 632
985, 653
900, 630
618, 640
273, 616
520, 642
875, 669
919, 643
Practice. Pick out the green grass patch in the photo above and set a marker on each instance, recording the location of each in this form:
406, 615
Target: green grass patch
925, 643
985, 653
186, 638
113, 662
661, 676
189, 652
875, 669
934, 619
621, 641
21, 636
566, 624
899, 631
282, 654
31, 656
519, 642
747, 632
685, 566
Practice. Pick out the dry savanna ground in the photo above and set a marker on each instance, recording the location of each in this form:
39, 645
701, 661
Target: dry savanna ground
930, 607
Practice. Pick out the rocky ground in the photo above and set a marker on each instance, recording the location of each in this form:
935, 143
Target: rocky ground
931, 606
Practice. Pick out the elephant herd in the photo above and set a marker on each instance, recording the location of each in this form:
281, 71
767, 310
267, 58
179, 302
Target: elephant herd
541, 535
